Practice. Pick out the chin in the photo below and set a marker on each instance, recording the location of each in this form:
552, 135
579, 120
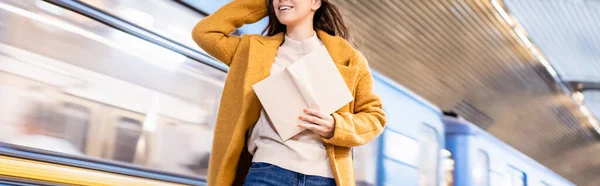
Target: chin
287, 21
284, 23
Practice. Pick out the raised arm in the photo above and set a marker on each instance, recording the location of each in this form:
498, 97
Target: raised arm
213, 33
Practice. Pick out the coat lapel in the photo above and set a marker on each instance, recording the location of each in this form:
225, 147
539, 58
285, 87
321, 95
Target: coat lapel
341, 52
262, 52
339, 49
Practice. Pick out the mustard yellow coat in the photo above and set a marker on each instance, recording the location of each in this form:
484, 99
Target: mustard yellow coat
249, 58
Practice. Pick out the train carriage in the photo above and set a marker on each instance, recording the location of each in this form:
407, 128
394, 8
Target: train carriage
481, 159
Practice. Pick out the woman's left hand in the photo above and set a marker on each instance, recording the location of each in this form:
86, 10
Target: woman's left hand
319, 122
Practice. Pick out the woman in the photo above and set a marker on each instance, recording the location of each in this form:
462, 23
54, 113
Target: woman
246, 148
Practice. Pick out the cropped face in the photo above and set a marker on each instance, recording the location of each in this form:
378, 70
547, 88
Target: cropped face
291, 12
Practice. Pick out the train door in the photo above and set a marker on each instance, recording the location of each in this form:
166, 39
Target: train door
517, 177
82, 120
429, 156
481, 168
123, 139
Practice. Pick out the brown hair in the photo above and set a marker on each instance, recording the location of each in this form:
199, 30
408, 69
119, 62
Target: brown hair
328, 18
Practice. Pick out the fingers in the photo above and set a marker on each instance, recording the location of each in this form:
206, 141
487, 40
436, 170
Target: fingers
316, 113
318, 122
313, 119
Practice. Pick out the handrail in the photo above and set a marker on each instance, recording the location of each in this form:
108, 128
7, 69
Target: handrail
97, 164
137, 31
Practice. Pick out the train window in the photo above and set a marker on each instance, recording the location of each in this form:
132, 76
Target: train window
74, 120
498, 179
517, 177
128, 135
32, 120
430, 151
481, 167
69, 122
410, 151
155, 15
117, 71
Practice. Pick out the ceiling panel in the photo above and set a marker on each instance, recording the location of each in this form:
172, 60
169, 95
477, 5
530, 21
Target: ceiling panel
567, 32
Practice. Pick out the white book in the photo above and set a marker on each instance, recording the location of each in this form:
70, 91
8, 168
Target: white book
311, 82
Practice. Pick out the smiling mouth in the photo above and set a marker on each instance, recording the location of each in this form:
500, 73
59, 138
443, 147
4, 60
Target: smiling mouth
285, 7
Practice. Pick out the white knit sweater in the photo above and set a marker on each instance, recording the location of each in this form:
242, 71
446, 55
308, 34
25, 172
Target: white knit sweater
304, 153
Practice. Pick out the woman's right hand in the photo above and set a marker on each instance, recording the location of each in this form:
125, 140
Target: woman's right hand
320, 123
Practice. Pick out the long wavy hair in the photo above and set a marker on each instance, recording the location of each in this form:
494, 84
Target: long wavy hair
328, 18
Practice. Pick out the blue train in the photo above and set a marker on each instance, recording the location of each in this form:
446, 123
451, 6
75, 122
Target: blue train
481, 159
424, 146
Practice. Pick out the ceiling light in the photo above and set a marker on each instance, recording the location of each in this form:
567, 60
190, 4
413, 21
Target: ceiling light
578, 96
521, 34
503, 13
445, 153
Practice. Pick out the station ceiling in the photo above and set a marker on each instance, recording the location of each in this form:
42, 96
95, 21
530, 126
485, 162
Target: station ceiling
512, 74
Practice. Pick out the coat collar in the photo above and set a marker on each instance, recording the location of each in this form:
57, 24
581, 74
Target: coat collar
339, 49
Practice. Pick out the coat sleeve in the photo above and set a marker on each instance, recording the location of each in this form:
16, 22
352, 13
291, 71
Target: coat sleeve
213, 33
368, 120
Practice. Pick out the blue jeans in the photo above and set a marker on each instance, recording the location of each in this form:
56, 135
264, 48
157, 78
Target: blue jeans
265, 174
